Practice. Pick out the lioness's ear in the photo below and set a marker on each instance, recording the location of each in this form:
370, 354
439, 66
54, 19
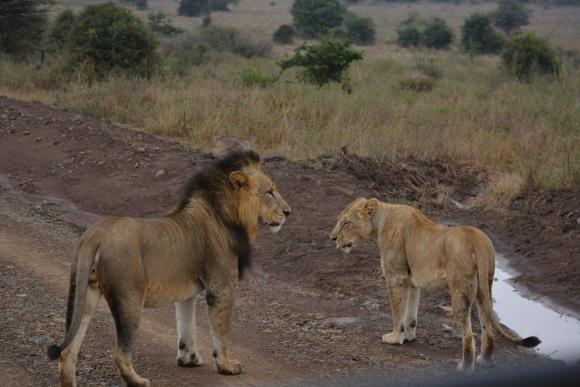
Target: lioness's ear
238, 179
370, 207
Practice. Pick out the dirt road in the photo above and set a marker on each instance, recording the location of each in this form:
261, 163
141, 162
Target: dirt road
305, 311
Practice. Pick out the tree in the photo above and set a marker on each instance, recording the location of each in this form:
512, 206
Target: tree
108, 38
221, 5
284, 34
479, 37
409, 33
193, 7
59, 32
160, 23
315, 18
528, 55
359, 29
22, 23
510, 15
323, 63
437, 34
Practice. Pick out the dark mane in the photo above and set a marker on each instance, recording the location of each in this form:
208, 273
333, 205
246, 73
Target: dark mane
209, 184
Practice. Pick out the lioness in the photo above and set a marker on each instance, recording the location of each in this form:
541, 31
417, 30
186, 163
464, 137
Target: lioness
203, 244
418, 253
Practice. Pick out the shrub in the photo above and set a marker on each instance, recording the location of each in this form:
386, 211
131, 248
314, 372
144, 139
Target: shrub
193, 7
428, 67
479, 37
141, 4
206, 21
107, 38
409, 33
315, 18
21, 25
221, 5
528, 55
417, 83
284, 34
323, 63
437, 34
254, 77
359, 29
59, 33
230, 39
510, 15
160, 24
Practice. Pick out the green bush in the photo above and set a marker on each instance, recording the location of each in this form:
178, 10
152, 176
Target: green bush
284, 34
60, 30
108, 38
437, 34
22, 23
529, 55
315, 18
428, 67
409, 32
206, 21
359, 29
510, 15
221, 5
254, 77
221, 38
479, 37
160, 23
323, 63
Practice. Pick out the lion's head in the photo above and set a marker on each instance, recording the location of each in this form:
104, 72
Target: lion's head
354, 223
261, 196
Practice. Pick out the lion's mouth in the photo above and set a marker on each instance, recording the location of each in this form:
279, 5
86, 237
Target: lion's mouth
346, 247
274, 224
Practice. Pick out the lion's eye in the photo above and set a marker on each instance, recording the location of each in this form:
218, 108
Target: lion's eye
347, 224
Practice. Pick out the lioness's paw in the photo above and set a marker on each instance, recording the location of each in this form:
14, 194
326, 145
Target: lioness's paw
465, 368
410, 335
139, 382
393, 338
233, 367
484, 362
189, 360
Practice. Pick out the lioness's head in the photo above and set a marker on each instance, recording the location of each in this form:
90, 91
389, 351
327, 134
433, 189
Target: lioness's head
355, 222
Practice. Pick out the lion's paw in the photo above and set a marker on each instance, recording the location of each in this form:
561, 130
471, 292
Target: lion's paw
189, 359
233, 367
393, 338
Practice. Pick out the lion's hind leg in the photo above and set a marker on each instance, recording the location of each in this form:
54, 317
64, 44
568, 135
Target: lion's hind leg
126, 307
462, 299
69, 356
487, 338
412, 309
187, 355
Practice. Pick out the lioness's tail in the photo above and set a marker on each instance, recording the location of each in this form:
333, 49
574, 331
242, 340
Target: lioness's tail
86, 260
481, 253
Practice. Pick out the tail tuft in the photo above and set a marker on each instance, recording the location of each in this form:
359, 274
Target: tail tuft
530, 342
54, 352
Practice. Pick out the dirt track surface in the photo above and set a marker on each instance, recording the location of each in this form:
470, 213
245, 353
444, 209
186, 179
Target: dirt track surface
305, 313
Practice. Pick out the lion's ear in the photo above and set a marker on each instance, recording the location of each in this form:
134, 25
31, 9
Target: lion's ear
369, 208
238, 179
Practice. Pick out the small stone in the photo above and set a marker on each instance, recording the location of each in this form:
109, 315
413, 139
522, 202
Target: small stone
41, 340
38, 139
141, 149
26, 133
160, 173
78, 118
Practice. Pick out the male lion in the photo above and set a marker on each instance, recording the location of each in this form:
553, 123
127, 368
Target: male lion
418, 253
203, 244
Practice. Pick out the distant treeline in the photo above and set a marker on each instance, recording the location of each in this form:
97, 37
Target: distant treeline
535, 2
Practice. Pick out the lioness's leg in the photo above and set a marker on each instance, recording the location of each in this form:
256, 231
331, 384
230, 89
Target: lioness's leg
126, 306
220, 304
487, 337
398, 299
412, 309
461, 302
68, 357
187, 355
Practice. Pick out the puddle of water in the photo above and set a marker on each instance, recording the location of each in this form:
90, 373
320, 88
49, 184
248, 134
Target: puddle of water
559, 332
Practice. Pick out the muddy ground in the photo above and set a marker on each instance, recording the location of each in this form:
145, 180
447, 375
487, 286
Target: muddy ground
305, 313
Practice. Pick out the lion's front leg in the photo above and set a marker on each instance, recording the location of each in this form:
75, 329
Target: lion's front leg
398, 299
187, 355
220, 303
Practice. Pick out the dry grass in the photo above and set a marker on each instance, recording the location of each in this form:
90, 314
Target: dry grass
474, 113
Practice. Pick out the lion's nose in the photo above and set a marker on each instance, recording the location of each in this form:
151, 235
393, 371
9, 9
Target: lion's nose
287, 212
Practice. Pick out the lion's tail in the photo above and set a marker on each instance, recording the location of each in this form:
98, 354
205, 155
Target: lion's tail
87, 257
481, 254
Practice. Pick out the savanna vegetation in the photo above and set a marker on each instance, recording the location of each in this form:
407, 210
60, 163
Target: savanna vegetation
471, 86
